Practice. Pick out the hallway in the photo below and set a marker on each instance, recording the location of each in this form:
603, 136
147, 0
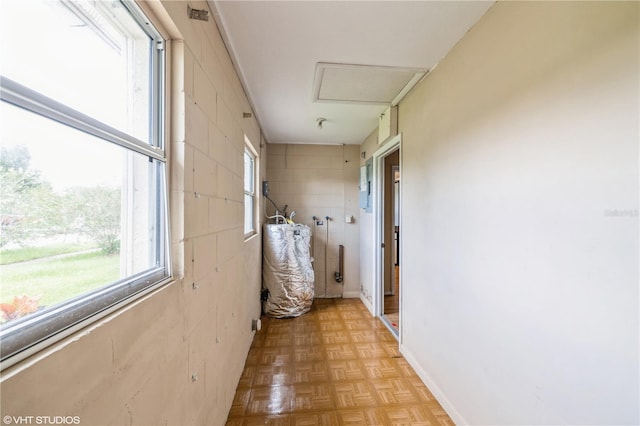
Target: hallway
333, 365
155, 130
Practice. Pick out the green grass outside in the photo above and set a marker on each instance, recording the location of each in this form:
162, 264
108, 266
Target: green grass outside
30, 253
58, 279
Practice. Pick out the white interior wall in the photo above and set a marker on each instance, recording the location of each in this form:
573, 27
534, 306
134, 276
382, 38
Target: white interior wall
174, 357
367, 251
520, 217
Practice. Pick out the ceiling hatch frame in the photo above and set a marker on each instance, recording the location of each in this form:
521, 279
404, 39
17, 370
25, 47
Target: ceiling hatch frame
363, 84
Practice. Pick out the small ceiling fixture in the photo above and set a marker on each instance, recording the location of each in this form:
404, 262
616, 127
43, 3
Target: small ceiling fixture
320, 121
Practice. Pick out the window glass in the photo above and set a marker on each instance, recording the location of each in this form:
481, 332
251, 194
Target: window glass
69, 221
248, 172
248, 214
82, 166
91, 56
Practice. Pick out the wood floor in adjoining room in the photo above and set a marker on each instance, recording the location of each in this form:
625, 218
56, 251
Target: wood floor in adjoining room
392, 303
336, 365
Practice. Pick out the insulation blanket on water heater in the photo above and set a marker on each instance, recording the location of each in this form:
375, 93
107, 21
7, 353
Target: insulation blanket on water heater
287, 271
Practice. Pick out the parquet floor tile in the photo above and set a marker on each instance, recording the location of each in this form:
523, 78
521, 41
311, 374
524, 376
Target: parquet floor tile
328, 418
340, 352
273, 375
267, 400
335, 365
354, 394
310, 372
313, 396
394, 391
309, 353
281, 355
411, 415
380, 368
367, 416
346, 370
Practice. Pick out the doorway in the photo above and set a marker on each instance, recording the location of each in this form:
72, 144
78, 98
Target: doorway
391, 241
387, 217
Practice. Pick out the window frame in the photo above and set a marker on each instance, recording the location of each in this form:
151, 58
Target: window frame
25, 336
250, 150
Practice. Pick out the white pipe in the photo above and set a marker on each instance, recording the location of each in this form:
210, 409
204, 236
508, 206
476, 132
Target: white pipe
277, 216
326, 248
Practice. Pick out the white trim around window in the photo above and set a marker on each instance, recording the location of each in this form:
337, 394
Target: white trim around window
251, 173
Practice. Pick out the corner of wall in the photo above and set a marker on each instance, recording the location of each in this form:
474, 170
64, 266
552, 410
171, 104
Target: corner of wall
455, 415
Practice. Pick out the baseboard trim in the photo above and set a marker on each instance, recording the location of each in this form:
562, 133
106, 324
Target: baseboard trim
351, 295
433, 387
366, 303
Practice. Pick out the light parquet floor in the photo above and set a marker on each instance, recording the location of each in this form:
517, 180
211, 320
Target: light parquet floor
335, 365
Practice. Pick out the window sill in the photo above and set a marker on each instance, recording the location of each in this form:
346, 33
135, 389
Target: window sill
250, 237
69, 335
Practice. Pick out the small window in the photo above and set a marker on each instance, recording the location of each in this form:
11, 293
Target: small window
82, 167
249, 190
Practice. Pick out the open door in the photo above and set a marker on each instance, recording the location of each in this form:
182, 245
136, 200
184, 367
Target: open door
386, 203
390, 273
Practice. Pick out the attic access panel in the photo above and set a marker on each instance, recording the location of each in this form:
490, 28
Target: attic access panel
363, 84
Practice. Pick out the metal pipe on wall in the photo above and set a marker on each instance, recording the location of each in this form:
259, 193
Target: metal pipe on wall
326, 249
339, 275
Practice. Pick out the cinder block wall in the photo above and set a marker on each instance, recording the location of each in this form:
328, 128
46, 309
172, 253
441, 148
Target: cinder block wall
321, 180
174, 357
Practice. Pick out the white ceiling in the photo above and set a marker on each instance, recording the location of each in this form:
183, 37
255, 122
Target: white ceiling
277, 46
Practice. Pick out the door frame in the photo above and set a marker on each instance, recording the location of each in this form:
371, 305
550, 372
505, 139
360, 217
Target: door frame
392, 145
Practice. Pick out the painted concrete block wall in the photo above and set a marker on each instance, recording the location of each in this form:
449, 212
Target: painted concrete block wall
520, 205
174, 357
321, 180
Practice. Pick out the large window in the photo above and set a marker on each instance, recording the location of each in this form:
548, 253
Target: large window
249, 190
82, 166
